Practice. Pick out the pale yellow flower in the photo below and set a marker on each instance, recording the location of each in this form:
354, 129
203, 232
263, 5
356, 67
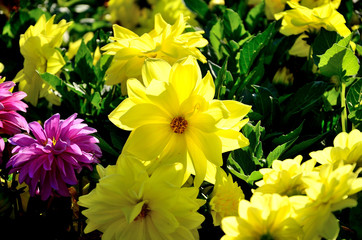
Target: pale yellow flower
347, 149
124, 12
225, 197
174, 118
328, 191
38, 47
170, 10
285, 177
266, 216
129, 204
1, 67
166, 42
301, 19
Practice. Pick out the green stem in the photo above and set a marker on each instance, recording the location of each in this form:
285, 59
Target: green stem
343, 105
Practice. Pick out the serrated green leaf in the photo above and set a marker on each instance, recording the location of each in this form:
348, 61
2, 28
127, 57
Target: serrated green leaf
251, 49
338, 61
354, 98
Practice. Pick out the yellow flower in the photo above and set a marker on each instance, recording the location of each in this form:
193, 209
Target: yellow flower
129, 204
38, 47
213, 3
175, 117
165, 42
1, 67
266, 216
283, 76
327, 191
347, 150
285, 177
225, 197
301, 19
170, 10
124, 12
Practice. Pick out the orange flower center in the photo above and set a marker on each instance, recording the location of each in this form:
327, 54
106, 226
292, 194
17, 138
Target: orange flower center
178, 125
144, 212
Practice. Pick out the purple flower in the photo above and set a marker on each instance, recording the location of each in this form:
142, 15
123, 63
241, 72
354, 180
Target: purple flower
11, 122
49, 161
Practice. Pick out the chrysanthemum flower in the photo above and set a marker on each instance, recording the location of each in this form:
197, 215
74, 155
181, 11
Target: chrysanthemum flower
347, 149
38, 47
11, 122
225, 197
175, 115
285, 177
266, 216
49, 160
327, 191
164, 42
129, 204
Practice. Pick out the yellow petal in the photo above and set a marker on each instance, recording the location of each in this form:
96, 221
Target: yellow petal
154, 68
119, 111
148, 141
144, 113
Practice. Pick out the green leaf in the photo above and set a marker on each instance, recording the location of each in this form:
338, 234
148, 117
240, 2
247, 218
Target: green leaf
216, 36
324, 41
251, 49
197, 6
84, 63
254, 176
278, 151
354, 99
254, 16
306, 96
338, 60
233, 25
106, 147
96, 100
293, 135
299, 147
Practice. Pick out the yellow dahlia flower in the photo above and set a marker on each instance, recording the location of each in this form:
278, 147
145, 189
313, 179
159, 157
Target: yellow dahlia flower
175, 117
301, 19
165, 42
74, 46
266, 216
129, 204
347, 149
1, 67
170, 10
124, 12
225, 197
38, 47
327, 191
284, 77
285, 177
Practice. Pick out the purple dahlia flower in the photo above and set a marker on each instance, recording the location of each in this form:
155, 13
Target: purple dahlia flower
11, 122
49, 161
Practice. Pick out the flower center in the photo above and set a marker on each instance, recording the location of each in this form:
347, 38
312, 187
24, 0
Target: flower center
144, 212
178, 125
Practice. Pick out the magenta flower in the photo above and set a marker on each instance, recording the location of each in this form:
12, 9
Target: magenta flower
49, 161
11, 122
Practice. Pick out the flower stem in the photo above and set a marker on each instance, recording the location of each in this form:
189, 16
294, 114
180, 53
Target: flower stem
343, 105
